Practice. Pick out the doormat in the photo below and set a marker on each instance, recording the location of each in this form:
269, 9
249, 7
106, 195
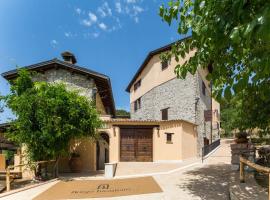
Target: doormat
82, 189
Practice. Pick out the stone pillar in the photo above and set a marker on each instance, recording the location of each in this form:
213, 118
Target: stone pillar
247, 150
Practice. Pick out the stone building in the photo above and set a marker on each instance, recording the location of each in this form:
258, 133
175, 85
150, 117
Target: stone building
167, 114
157, 94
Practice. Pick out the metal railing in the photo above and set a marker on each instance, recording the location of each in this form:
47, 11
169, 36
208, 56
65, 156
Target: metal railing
209, 148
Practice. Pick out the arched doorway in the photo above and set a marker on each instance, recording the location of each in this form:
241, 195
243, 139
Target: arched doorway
102, 151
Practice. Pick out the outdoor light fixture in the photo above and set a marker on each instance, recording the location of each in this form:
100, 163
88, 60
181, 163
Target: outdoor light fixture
114, 132
158, 131
94, 94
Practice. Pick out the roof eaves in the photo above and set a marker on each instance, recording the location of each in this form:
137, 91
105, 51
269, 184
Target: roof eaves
148, 57
55, 60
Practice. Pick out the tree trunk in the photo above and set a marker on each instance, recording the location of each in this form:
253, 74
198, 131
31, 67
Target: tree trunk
38, 172
55, 169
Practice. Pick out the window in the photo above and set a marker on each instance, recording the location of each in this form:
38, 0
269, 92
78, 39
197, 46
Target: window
164, 65
169, 138
164, 114
203, 88
137, 104
137, 85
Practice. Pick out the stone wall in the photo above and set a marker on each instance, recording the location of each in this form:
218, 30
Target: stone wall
177, 95
204, 103
180, 97
73, 81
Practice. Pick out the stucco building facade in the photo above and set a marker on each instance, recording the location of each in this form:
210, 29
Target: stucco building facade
167, 114
121, 140
157, 94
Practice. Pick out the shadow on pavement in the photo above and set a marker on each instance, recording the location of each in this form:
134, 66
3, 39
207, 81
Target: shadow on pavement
209, 183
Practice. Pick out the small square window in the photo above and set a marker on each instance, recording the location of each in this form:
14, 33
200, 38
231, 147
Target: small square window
164, 114
164, 65
169, 138
137, 104
137, 85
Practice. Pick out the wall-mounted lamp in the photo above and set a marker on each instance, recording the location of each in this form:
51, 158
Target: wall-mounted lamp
114, 131
158, 131
94, 94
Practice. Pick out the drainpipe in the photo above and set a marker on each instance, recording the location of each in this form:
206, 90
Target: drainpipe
211, 125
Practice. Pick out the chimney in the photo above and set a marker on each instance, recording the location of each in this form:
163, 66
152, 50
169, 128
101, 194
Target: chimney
68, 57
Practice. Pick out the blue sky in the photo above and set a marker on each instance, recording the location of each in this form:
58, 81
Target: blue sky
111, 37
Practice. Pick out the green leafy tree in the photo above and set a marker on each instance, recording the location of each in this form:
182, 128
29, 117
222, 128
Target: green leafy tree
48, 117
122, 112
232, 36
230, 115
245, 111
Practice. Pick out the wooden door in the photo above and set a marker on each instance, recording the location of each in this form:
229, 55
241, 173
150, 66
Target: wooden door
136, 145
127, 145
144, 145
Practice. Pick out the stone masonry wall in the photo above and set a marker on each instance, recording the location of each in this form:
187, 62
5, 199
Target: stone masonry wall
177, 95
72, 80
180, 97
204, 103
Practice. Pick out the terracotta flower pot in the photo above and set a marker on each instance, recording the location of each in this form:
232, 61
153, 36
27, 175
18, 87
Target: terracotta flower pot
75, 164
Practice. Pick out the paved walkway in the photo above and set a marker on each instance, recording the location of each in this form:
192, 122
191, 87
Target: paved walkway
207, 181
129, 169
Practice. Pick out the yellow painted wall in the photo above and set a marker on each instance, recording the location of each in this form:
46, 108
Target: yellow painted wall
86, 147
2, 162
215, 106
183, 146
162, 150
189, 141
153, 75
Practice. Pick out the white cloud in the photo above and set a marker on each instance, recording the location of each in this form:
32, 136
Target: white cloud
78, 11
67, 34
106, 19
102, 26
95, 35
137, 9
136, 19
104, 10
131, 1
118, 7
70, 34
91, 20
54, 43
101, 12
86, 22
92, 17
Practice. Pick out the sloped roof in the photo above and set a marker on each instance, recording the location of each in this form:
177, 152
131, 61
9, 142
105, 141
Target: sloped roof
102, 81
148, 57
145, 121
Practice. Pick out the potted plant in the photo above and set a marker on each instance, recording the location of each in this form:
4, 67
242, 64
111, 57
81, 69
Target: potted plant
241, 137
75, 162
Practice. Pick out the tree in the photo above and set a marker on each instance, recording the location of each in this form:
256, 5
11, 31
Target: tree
122, 112
48, 117
245, 111
230, 115
232, 36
